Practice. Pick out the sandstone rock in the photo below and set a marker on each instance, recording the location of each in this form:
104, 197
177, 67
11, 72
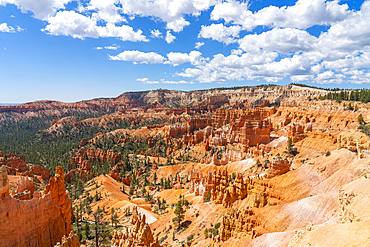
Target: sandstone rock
237, 223
41, 221
126, 180
354, 141
60, 196
15, 163
4, 182
69, 241
139, 233
278, 166
37, 170
296, 132
25, 189
84, 142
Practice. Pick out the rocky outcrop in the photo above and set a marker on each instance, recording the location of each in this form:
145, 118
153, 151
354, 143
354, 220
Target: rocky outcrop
69, 241
4, 183
297, 132
354, 141
139, 233
278, 166
37, 170
14, 163
18, 165
84, 159
25, 189
58, 194
237, 223
220, 189
250, 127
40, 221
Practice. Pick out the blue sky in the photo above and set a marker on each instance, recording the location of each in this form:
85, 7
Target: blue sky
71, 50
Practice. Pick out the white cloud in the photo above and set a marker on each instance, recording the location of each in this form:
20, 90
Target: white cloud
177, 58
339, 55
282, 40
178, 24
41, 9
302, 15
110, 47
105, 10
169, 37
171, 12
70, 23
176, 82
138, 56
6, 29
220, 33
198, 45
146, 81
9, 29
156, 34
329, 77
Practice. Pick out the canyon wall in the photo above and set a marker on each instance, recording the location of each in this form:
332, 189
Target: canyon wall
41, 221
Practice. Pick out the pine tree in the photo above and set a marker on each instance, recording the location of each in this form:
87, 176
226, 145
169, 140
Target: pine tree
180, 214
155, 178
87, 230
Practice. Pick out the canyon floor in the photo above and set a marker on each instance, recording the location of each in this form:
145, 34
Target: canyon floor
260, 166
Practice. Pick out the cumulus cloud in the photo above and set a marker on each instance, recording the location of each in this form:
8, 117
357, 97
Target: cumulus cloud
198, 45
156, 34
171, 12
283, 40
6, 29
70, 23
169, 37
9, 29
287, 49
139, 57
220, 33
302, 15
106, 10
146, 81
339, 55
41, 9
177, 58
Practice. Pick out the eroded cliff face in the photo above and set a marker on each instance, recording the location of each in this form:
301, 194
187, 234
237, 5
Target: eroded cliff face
40, 221
18, 165
139, 233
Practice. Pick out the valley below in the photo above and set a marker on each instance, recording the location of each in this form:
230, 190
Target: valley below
251, 166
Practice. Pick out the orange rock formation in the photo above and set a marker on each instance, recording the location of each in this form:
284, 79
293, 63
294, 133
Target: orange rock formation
278, 166
139, 233
37, 222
